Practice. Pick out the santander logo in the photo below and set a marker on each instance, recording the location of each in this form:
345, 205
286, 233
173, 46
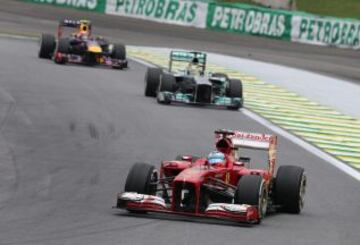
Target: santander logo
250, 136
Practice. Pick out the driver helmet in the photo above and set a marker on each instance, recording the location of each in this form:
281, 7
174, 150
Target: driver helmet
85, 27
193, 68
216, 157
195, 61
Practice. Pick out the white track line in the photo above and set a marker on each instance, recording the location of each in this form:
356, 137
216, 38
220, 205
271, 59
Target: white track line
296, 140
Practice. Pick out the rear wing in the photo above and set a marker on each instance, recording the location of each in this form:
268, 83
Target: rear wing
258, 141
69, 23
72, 24
187, 56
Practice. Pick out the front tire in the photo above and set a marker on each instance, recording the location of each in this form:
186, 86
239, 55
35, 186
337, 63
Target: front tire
290, 187
251, 190
119, 52
142, 178
152, 80
235, 88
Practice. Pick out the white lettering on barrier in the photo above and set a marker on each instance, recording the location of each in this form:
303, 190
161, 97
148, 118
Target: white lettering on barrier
89, 4
180, 12
326, 31
249, 21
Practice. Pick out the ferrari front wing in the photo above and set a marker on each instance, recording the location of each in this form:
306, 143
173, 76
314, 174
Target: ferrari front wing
225, 211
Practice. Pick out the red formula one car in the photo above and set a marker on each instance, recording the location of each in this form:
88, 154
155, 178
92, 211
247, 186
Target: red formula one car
219, 186
81, 46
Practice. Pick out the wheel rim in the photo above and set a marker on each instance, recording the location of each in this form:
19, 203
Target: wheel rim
154, 177
262, 201
154, 180
302, 191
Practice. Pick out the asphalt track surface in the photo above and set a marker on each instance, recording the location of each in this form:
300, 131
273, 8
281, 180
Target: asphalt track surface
70, 134
17, 16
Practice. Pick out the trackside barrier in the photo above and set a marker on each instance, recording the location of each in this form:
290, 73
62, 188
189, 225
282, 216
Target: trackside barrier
312, 29
179, 12
87, 5
248, 19
230, 17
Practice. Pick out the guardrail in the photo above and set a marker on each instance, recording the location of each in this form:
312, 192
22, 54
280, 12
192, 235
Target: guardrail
230, 17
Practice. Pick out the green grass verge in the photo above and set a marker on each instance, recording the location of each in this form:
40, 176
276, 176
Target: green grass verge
338, 8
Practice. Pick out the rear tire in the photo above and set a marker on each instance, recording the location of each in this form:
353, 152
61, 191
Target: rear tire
47, 46
152, 80
251, 190
290, 187
167, 83
63, 47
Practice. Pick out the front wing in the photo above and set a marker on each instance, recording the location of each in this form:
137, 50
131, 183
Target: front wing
103, 60
225, 211
168, 97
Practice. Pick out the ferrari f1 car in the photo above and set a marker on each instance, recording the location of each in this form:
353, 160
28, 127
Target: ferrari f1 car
81, 47
229, 189
192, 85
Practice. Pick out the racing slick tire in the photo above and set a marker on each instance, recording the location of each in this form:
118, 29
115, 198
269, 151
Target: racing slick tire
251, 190
152, 80
63, 47
235, 90
167, 83
142, 178
290, 187
47, 46
119, 53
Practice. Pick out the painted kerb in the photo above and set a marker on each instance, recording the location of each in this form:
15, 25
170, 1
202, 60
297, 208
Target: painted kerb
88, 5
249, 20
180, 12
